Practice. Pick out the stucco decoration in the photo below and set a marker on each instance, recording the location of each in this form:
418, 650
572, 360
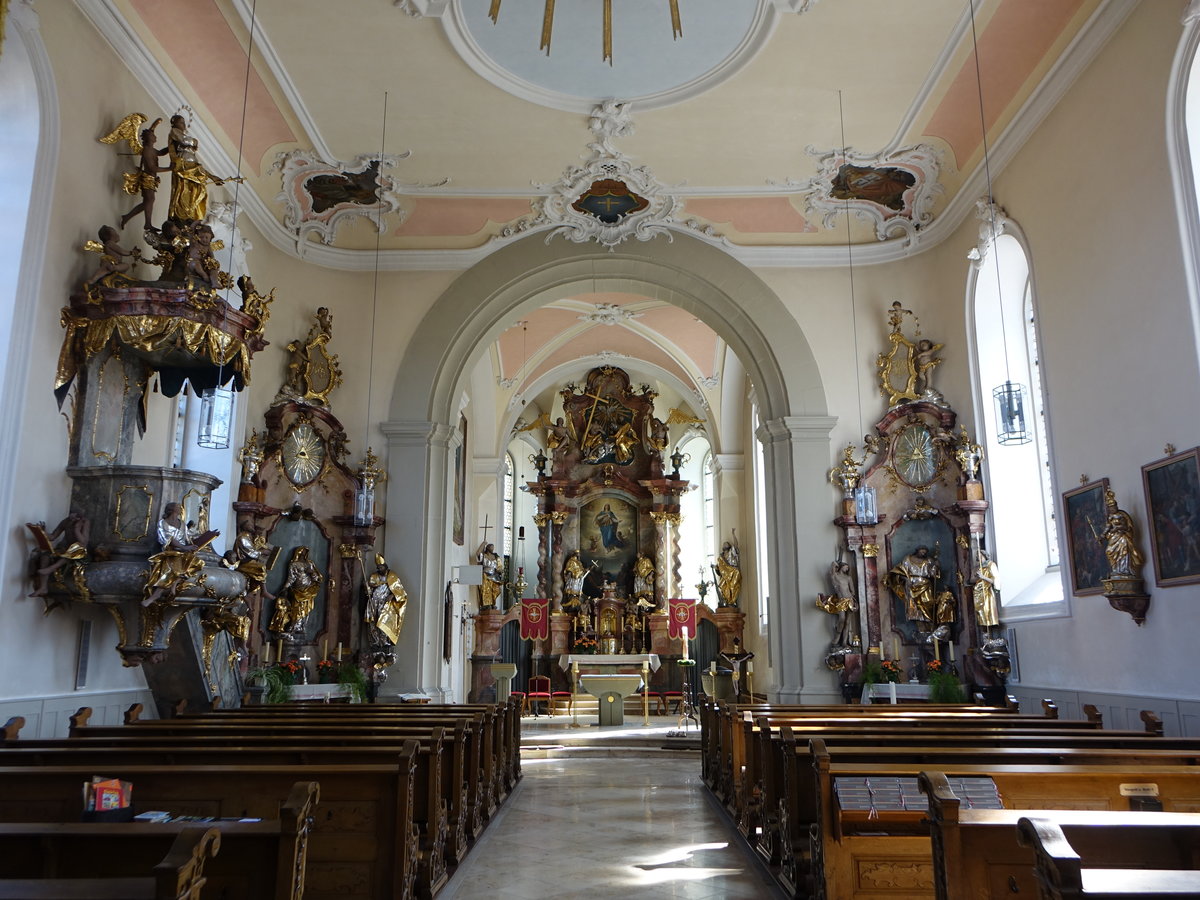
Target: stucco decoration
609, 314
893, 191
638, 204
319, 195
993, 222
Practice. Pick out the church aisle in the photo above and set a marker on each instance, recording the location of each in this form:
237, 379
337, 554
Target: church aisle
609, 829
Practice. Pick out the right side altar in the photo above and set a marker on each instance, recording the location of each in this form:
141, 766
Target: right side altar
913, 521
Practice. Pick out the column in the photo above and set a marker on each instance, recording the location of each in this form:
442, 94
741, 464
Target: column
416, 548
797, 454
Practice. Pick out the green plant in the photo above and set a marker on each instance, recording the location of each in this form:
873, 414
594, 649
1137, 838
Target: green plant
276, 680
945, 688
354, 680
872, 672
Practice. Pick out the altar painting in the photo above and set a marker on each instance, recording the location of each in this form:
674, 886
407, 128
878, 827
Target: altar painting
608, 542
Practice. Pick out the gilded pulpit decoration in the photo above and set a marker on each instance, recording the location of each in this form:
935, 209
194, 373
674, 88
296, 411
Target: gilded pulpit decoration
303, 454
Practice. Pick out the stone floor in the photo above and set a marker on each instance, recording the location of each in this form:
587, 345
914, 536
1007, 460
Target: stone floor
608, 827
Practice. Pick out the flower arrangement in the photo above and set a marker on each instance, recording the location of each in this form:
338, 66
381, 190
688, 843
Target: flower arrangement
326, 671
935, 667
944, 686
890, 670
584, 644
289, 671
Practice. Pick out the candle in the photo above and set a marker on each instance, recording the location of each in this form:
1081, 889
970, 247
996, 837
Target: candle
712, 668
279, 649
951, 651
685, 642
325, 649
895, 647
937, 649
749, 667
267, 655
339, 651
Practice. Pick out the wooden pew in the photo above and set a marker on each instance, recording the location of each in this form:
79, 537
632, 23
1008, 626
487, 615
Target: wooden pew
440, 800
362, 844
484, 778
1061, 874
976, 852
260, 860
179, 876
848, 854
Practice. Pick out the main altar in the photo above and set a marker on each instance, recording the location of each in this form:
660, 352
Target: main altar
607, 524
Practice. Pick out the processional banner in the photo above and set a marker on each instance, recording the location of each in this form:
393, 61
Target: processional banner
682, 614
535, 619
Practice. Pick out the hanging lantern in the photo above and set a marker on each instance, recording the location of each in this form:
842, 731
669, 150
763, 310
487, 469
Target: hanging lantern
216, 418
865, 510
1010, 414
369, 474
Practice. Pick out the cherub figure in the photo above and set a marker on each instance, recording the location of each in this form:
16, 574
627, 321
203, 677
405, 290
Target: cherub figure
115, 260
925, 360
144, 180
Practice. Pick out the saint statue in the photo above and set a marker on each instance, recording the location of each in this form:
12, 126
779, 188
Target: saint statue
1120, 546
386, 604
176, 564
65, 545
841, 602
728, 573
914, 581
298, 595
493, 576
643, 582
189, 179
250, 555
573, 575
987, 611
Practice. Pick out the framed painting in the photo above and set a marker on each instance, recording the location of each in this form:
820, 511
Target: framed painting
460, 483
608, 543
1172, 486
1083, 516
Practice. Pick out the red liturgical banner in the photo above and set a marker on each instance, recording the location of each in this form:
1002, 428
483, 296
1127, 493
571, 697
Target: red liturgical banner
682, 615
535, 619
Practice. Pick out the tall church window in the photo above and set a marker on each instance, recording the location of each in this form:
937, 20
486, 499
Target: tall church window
1024, 539
695, 526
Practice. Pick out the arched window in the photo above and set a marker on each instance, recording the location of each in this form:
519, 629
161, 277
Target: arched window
1024, 539
696, 526
1183, 147
510, 483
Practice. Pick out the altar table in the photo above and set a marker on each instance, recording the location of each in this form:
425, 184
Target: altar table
647, 662
611, 691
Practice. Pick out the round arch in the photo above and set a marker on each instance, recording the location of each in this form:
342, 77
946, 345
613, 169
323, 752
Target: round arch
686, 272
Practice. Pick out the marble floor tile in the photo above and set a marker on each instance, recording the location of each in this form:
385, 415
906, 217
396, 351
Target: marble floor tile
610, 828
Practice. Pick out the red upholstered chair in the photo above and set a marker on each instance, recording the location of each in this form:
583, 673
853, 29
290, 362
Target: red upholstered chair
562, 695
539, 689
672, 696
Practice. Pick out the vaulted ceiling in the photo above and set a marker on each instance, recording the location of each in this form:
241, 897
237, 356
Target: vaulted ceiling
778, 129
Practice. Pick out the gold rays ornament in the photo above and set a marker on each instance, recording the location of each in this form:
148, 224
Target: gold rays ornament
548, 24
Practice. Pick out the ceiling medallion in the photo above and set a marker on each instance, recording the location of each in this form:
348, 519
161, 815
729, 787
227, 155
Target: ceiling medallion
319, 195
607, 199
894, 190
607, 26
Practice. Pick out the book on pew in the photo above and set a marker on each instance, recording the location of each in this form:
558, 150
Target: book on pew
107, 800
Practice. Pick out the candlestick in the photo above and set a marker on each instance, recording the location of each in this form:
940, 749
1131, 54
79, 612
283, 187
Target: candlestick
892, 691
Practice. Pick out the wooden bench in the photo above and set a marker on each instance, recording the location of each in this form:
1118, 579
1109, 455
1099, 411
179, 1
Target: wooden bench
850, 853
976, 852
362, 844
179, 876
1061, 874
263, 860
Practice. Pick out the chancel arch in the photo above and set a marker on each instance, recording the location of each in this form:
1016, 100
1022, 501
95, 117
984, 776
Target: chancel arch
686, 272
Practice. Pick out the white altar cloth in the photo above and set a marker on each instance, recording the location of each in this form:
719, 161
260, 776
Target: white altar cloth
610, 660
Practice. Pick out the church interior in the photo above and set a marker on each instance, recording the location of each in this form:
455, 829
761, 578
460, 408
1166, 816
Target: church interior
431, 350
